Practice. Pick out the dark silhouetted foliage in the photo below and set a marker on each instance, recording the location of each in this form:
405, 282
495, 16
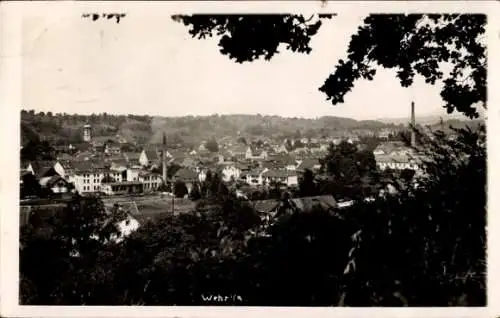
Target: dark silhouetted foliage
180, 189
409, 43
212, 145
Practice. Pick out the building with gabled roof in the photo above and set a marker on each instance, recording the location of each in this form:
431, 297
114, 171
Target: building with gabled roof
55, 183
255, 154
280, 176
44, 168
150, 180
149, 157
268, 209
311, 164
185, 175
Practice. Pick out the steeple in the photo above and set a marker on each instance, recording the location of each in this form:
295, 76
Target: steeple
412, 125
164, 157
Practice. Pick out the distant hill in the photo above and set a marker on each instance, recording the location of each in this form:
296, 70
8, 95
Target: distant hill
66, 128
190, 130
194, 129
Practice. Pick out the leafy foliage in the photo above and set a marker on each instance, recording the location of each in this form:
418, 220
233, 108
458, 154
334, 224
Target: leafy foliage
212, 145
195, 193
419, 44
249, 37
58, 251
443, 224
37, 150
409, 43
180, 189
350, 172
307, 186
63, 129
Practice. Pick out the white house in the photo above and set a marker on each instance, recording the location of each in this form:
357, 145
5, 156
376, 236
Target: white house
230, 172
396, 162
392, 148
126, 227
151, 181
55, 183
150, 157
202, 174
87, 181
133, 174
286, 177
254, 177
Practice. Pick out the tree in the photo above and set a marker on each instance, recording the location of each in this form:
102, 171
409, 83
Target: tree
350, 171
212, 145
30, 186
407, 174
164, 187
195, 193
214, 186
59, 249
409, 43
249, 37
307, 187
180, 189
446, 239
38, 150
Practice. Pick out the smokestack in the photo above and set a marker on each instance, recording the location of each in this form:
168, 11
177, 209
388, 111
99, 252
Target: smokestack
412, 126
164, 158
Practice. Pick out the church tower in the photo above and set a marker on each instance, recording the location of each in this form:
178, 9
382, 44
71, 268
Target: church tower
87, 133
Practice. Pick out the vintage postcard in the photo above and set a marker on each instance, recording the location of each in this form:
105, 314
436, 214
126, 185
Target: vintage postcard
249, 158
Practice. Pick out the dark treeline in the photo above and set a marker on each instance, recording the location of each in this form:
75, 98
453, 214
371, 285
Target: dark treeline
423, 246
62, 128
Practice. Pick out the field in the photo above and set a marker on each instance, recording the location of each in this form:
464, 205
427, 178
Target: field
147, 207
144, 207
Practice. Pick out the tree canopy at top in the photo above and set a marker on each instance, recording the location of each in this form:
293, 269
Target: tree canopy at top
409, 43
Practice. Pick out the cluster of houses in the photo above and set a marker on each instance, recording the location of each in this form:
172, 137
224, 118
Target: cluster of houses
100, 165
105, 169
396, 156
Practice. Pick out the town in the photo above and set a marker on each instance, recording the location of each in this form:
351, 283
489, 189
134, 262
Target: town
244, 160
101, 165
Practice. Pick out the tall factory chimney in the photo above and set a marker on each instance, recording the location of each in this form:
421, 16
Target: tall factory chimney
412, 125
164, 157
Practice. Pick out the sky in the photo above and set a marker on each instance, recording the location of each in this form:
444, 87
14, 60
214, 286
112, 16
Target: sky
149, 64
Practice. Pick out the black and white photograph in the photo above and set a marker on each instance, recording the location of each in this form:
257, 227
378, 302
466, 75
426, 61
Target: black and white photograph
227, 158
